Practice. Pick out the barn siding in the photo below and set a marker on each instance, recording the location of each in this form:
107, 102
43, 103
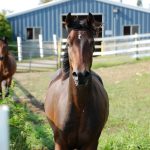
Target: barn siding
49, 18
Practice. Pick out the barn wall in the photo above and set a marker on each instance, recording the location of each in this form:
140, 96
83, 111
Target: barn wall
49, 18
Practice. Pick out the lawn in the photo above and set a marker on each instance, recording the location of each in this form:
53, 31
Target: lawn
128, 87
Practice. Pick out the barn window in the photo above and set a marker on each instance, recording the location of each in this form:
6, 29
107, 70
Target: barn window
33, 33
130, 30
135, 29
29, 33
127, 30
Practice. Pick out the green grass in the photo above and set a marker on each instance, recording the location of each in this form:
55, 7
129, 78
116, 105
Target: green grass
128, 127
110, 61
28, 130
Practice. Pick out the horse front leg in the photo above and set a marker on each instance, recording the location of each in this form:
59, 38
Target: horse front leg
1, 90
8, 84
57, 146
60, 145
91, 146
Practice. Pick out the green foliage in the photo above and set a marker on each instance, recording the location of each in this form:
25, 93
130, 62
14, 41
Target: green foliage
128, 125
27, 130
5, 27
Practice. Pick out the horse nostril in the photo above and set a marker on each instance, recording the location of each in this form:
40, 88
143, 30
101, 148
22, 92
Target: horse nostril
74, 74
81, 75
81, 78
86, 74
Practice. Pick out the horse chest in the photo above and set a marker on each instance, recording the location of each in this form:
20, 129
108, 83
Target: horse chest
80, 128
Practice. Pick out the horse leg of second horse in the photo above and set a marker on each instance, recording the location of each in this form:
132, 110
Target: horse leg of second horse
1, 90
8, 84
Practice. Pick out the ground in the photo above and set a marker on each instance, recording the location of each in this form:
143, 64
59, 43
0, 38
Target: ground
128, 87
32, 85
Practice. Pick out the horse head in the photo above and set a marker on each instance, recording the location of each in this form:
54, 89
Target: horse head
80, 46
3, 48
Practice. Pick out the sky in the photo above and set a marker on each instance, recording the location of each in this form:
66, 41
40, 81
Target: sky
20, 5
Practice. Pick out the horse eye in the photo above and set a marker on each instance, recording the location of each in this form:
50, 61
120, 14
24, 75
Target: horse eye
69, 44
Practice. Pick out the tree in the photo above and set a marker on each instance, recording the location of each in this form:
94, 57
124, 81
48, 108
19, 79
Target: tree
139, 3
5, 27
45, 1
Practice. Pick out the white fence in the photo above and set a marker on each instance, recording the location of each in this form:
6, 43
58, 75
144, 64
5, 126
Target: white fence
35, 55
36, 48
4, 128
135, 45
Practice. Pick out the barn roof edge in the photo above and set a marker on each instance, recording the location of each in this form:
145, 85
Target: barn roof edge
52, 3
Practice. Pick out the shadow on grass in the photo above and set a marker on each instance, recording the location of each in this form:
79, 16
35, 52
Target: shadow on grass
32, 99
39, 134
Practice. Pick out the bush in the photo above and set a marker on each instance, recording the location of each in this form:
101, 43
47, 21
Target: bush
27, 130
5, 27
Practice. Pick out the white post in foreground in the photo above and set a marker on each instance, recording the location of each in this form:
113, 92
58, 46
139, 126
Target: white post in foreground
19, 44
41, 45
55, 43
4, 128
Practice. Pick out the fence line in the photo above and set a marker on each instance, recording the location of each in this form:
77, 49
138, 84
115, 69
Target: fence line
50, 53
120, 45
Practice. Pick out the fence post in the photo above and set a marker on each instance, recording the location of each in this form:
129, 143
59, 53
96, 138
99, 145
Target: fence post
4, 128
19, 45
55, 43
136, 45
41, 45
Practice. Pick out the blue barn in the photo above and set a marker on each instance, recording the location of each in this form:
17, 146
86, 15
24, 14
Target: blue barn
47, 19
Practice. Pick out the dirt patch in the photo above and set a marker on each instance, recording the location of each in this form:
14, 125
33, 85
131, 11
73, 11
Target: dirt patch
123, 72
32, 86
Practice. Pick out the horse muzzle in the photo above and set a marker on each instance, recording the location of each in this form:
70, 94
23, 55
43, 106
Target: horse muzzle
1, 58
81, 78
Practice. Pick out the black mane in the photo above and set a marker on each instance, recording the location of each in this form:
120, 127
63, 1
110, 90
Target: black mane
65, 64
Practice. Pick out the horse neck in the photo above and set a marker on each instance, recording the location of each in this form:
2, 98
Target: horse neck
79, 96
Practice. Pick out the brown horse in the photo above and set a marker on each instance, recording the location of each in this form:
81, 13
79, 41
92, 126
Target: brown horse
7, 66
77, 104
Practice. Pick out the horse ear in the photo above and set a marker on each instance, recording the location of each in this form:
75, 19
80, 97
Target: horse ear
90, 19
68, 21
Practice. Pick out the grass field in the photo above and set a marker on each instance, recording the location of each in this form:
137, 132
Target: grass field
128, 87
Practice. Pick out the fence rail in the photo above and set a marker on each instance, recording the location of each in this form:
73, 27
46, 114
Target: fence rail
47, 55
134, 45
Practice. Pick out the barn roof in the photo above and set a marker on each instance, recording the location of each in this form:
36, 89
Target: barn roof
56, 2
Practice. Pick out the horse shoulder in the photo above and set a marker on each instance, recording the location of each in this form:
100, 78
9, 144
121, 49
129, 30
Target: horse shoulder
101, 97
97, 76
56, 99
